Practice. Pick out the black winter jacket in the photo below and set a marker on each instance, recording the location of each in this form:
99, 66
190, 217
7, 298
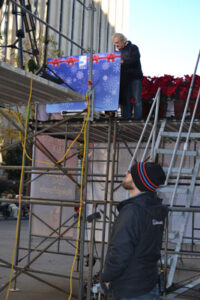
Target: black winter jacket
134, 248
131, 66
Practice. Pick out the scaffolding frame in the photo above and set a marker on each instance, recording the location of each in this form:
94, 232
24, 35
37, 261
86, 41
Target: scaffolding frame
117, 135
114, 128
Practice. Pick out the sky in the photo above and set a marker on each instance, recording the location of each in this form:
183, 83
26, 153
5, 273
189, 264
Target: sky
167, 33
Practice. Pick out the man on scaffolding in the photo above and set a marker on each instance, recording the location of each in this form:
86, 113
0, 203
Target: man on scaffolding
130, 78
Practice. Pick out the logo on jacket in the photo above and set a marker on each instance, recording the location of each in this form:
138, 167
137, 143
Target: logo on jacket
156, 222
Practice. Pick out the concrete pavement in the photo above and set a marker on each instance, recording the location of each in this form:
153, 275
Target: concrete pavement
27, 287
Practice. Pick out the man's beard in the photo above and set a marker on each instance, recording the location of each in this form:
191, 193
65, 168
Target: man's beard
127, 185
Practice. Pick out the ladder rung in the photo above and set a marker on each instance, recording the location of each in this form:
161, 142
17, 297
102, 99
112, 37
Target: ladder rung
183, 134
178, 152
170, 189
173, 235
178, 213
176, 170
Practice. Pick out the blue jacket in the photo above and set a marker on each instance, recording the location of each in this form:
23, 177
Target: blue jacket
134, 248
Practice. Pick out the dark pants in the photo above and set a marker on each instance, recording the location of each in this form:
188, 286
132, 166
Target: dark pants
133, 90
5, 211
152, 295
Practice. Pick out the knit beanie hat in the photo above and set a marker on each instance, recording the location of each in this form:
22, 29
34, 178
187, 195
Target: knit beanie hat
147, 176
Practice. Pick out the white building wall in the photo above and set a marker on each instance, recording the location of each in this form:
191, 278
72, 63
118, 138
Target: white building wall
74, 21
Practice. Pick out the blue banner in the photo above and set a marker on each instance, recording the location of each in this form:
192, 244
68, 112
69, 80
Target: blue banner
74, 71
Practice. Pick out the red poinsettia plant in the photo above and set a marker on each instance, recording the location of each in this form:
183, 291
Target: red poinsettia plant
171, 87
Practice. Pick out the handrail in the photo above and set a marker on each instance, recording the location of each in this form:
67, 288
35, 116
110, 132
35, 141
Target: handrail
153, 131
185, 148
156, 101
182, 122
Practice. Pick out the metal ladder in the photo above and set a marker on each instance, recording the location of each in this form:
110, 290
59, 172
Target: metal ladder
181, 137
185, 136
178, 235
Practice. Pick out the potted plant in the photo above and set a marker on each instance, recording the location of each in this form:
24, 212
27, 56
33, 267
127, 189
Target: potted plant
194, 94
177, 93
147, 95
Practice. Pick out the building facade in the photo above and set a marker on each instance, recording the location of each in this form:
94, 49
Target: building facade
72, 18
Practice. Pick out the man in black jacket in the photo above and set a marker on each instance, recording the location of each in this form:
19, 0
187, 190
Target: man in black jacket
130, 78
130, 269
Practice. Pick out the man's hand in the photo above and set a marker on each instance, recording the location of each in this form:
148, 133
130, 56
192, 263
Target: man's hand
107, 284
122, 61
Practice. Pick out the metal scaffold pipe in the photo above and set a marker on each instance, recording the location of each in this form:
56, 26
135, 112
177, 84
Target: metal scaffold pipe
48, 25
182, 121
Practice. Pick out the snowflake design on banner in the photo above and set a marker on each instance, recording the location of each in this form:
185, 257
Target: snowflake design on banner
116, 67
68, 80
74, 69
110, 85
80, 75
107, 101
105, 78
96, 75
114, 92
105, 66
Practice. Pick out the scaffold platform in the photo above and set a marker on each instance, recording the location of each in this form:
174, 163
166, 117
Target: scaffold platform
127, 130
15, 88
